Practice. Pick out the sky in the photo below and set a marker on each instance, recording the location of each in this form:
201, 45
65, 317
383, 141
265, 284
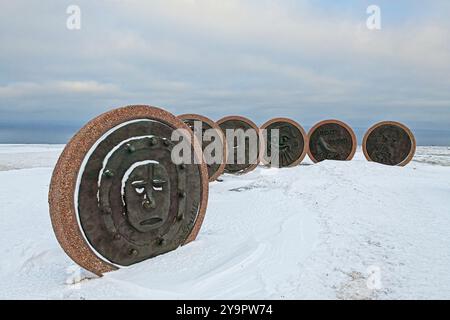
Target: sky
307, 60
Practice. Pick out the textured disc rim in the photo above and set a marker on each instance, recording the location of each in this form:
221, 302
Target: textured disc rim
295, 124
251, 124
394, 123
65, 175
338, 122
214, 125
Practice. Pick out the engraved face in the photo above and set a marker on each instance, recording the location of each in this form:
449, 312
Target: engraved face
290, 142
387, 141
137, 203
147, 197
388, 144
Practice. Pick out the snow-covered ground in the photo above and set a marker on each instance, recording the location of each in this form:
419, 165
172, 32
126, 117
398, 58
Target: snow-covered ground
19, 156
334, 230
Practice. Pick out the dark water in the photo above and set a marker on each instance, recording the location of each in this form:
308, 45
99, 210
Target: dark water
61, 134
36, 134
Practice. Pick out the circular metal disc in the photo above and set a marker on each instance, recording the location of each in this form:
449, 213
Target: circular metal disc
389, 143
292, 144
331, 140
214, 169
116, 198
235, 123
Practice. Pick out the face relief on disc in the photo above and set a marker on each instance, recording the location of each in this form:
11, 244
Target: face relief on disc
292, 142
331, 140
389, 143
217, 168
117, 198
244, 151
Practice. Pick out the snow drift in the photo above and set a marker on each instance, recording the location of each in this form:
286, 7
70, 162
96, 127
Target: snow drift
334, 230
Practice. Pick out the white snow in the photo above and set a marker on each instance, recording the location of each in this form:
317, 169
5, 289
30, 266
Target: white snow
334, 230
19, 156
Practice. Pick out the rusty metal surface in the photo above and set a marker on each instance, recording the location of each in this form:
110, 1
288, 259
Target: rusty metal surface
236, 123
133, 202
389, 144
291, 141
331, 140
214, 169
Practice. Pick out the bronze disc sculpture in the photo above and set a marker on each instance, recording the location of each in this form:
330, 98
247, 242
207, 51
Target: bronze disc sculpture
292, 142
116, 197
214, 169
331, 140
390, 143
235, 124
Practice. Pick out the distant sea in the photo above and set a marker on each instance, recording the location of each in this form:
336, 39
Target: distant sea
61, 134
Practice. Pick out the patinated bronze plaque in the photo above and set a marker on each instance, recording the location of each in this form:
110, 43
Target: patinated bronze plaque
389, 143
251, 148
331, 140
214, 169
117, 198
292, 142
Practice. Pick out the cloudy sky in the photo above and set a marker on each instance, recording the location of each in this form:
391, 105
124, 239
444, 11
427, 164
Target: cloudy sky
308, 60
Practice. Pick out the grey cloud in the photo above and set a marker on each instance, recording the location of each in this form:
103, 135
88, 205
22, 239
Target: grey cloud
259, 59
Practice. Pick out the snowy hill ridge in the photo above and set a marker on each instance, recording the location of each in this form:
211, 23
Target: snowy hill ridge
334, 230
